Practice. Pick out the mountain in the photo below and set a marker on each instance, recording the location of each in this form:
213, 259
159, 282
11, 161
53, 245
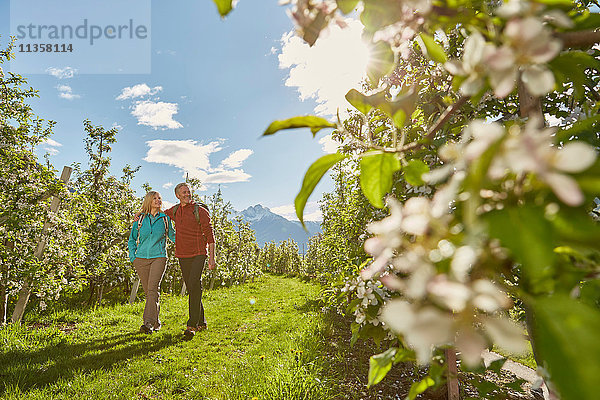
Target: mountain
272, 227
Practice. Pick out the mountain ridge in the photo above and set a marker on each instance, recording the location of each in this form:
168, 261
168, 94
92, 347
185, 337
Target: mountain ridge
271, 227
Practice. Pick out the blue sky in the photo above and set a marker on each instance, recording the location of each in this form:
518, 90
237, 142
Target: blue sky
214, 86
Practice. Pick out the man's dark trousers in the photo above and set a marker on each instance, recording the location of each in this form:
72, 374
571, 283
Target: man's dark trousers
191, 269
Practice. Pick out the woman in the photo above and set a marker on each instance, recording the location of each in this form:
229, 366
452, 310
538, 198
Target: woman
148, 253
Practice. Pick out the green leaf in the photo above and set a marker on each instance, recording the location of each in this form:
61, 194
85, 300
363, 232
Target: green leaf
566, 337
419, 387
574, 225
431, 49
314, 123
497, 365
589, 180
404, 355
397, 110
587, 20
354, 328
586, 130
557, 3
381, 63
224, 6
530, 238
380, 365
377, 175
363, 103
570, 66
346, 6
413, 172
399, 118
311, 178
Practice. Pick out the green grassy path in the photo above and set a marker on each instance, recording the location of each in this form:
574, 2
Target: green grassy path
270, 349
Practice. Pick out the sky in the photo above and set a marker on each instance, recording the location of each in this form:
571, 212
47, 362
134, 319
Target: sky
190, 92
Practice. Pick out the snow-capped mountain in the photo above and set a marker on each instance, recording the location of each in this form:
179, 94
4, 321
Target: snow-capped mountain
272, 227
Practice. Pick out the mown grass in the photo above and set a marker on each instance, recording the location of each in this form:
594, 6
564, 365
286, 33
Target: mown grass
269, 339
263, 348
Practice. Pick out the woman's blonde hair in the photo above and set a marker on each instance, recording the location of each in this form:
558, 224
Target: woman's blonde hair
147, 203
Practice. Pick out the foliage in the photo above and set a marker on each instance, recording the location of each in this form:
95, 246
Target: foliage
510, 198
282, 258
103, 206
27, 186
236, 248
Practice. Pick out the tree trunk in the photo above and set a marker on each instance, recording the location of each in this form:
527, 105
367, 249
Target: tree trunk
92, 291
529, 105
100, 292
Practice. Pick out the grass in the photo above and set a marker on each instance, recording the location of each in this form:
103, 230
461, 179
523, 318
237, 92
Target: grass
526, 358
269, 339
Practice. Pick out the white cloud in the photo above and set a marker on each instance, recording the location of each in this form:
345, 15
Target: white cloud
236, 175
235, 159
168, 185
156, 114
193, 159
167, 204
138, 91
51, 146
326, 71
64, 73
328, 145
52, 143
311, 212
66, 92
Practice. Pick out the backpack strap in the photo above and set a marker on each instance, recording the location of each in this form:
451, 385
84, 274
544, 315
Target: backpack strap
196, 210
139, 225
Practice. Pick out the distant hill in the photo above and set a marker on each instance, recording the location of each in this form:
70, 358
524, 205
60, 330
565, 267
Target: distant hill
270, 227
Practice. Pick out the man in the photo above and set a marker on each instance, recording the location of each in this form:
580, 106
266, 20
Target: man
193, 232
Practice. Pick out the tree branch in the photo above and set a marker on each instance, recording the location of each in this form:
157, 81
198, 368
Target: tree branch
579, 39
444, 117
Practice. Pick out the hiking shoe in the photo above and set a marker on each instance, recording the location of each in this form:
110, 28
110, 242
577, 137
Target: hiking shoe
145, 329
189, 332
201, 328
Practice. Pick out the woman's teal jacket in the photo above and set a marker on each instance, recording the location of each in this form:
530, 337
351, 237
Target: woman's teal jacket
152, 236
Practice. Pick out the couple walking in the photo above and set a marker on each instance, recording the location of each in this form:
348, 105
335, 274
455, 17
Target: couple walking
147, 251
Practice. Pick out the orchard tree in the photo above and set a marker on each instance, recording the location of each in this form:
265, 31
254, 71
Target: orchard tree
104, 205
27, 186
495, 106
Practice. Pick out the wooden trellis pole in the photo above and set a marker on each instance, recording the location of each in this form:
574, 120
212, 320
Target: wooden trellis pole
134, 290
452, 378
25, 291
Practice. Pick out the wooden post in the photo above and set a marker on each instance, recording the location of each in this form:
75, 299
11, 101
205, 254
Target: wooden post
26, 289
212, 280
453, 391
134, 290
3, 305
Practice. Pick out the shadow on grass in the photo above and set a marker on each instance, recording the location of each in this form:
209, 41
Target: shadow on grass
37, 369
310, 305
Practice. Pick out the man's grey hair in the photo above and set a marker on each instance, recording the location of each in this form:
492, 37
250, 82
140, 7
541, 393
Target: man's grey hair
180, 185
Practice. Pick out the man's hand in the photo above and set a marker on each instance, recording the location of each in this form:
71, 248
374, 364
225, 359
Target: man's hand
211, 256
